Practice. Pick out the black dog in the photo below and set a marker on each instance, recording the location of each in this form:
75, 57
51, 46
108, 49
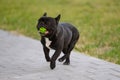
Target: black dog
62, 37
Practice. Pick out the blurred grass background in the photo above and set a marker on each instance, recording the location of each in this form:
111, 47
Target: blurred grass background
97, 20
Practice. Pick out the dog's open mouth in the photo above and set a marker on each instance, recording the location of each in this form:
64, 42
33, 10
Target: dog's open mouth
44, 34
43, 31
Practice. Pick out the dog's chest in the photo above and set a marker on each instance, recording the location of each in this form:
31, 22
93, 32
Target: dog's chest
47, 43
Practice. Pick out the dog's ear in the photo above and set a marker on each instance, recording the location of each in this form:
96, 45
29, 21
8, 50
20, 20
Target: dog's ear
45, 14
57, 18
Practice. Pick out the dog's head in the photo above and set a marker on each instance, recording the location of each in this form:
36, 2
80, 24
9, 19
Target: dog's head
49, 24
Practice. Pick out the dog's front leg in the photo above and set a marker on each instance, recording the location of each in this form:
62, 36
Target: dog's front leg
46, 52
54, 57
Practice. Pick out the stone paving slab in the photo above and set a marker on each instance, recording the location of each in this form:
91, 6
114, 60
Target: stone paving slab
22, 58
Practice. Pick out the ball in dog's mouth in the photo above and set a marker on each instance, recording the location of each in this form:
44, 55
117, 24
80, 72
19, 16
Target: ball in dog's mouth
43, 31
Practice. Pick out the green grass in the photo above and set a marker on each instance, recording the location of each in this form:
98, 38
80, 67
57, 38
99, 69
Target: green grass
97, 20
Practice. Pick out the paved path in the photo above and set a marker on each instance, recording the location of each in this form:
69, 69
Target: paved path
21, 58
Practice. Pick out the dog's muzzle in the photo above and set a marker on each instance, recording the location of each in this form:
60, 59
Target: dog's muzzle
43, 34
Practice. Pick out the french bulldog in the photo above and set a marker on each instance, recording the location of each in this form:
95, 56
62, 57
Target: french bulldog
61, 37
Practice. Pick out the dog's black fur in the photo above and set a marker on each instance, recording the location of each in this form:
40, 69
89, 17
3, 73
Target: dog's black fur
63, 36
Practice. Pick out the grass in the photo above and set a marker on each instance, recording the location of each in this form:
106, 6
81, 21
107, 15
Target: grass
98, 22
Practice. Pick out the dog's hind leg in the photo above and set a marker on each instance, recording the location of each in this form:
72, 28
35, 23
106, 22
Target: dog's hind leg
63, 57
66, 56
67, 52
70, 48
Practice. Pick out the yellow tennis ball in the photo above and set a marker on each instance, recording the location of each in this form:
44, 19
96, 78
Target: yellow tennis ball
43, 30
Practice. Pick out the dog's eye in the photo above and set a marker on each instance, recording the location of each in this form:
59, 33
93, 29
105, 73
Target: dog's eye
41, 22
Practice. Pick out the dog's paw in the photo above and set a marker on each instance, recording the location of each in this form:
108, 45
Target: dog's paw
66, 63
52, 65
60, 60
48, 60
